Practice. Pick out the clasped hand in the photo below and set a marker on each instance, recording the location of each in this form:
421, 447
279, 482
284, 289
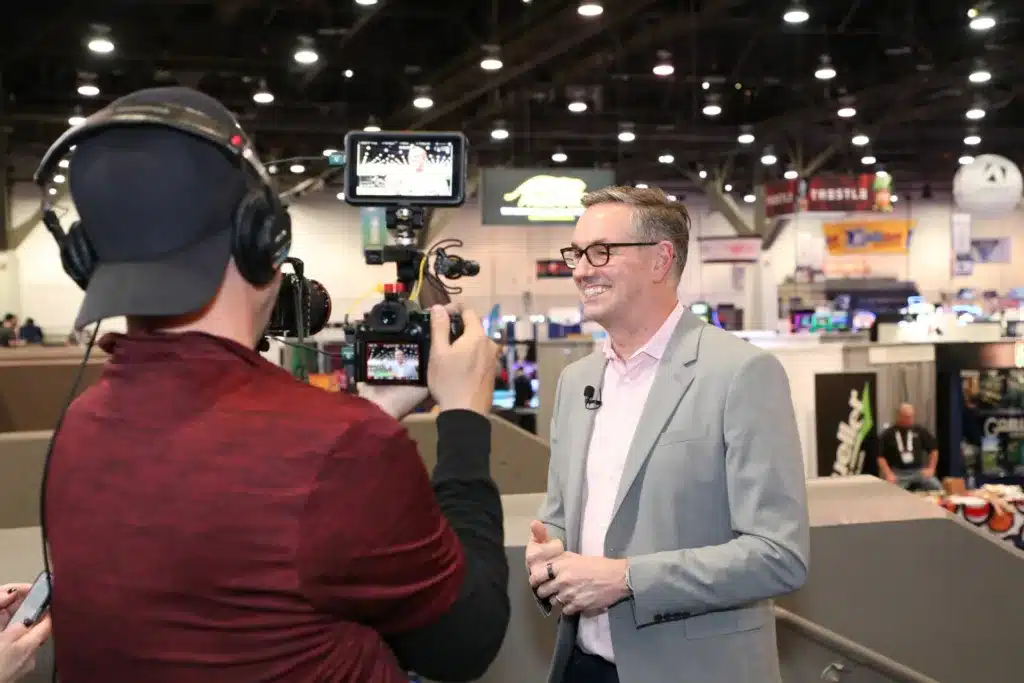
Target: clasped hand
581, 584
19, 643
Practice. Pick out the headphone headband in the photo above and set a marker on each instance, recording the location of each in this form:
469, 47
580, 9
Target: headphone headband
185, 119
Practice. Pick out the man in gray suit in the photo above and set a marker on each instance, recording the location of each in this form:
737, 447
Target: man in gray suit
676, 506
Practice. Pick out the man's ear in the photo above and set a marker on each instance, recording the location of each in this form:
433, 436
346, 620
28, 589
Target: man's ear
666, 257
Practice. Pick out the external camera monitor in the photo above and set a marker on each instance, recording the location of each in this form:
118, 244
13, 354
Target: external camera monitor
410, 169
393, 363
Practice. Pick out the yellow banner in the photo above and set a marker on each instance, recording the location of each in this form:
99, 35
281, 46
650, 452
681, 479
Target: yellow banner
868, 237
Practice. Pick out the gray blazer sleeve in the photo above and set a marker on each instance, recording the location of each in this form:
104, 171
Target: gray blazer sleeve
767, 500
552, 510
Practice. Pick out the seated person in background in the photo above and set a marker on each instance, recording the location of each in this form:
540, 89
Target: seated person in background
908, 454
523, 388
30, 333
9, 331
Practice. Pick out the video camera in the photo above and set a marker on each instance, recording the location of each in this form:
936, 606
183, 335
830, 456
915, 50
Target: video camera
405, 173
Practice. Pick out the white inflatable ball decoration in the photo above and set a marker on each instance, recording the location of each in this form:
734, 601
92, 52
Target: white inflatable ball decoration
990, 187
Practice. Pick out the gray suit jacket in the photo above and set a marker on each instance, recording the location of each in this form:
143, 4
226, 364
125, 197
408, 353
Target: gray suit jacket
711, 511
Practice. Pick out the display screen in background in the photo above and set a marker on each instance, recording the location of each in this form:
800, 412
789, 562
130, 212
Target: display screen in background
389, 361
405, 168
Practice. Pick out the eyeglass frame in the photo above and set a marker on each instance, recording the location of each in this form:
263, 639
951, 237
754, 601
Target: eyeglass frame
607, 246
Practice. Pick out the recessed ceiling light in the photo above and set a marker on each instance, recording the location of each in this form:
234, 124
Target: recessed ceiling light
101, 46
306, 55
329, 151
972, 140
370, 128
76, 120
728, 187
423, 102
664, 69
559, 157
769, 159
642, 186
749, 198
88, 90
796, 15
263, 97
790, 175
349, 73
59, 178
980, 76
846, 112
860, 140
965, 160
745, 138
297, 168
590, 8
868, 160
666, 159
499, 133
712, 110
491, 64
577, 106
64, 163
627, 136
975, 113
982, 22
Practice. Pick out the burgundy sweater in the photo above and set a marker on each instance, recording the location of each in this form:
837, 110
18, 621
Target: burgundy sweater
213, 520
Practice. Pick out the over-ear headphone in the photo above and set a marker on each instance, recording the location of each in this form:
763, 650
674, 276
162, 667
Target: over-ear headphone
261, 230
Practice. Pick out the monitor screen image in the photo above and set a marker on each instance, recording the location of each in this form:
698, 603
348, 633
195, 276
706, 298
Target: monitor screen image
405, 168
390, 361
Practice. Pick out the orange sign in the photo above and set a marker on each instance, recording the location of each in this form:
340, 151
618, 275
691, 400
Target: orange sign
868, 237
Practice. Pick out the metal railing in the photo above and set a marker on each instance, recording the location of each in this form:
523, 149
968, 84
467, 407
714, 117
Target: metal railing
849, 649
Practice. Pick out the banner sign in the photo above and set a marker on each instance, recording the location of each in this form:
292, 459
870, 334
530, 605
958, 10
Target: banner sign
962, 257
537, 196
991, 249
373, 227
831, 194
730, 249
844, 409
550, 268
868, 237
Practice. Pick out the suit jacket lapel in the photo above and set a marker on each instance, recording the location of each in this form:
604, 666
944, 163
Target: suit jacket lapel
582, 429
675, 374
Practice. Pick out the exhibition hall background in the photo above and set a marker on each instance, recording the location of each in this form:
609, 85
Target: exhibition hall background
327, 236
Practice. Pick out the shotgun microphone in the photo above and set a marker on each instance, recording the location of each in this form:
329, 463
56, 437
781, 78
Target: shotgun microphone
589, 402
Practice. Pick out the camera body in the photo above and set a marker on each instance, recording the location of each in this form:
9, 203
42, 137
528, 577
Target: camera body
391, 345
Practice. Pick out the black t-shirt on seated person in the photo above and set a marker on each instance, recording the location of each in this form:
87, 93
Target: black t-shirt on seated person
906, 448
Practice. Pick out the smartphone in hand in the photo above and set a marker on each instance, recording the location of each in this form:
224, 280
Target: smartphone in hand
35, 604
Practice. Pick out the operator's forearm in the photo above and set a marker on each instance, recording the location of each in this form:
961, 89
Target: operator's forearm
933, 460
693, 581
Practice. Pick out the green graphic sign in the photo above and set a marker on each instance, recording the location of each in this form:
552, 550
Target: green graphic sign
374, 228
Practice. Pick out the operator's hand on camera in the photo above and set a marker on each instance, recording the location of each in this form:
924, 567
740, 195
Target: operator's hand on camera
396, 401
461, 374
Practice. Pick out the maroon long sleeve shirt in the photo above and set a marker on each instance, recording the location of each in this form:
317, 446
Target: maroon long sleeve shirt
211, 519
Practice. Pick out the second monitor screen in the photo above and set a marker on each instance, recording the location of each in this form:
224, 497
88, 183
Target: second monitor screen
389, 362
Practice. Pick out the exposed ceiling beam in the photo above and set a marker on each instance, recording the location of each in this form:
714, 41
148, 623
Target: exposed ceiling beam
531, 51
713, 16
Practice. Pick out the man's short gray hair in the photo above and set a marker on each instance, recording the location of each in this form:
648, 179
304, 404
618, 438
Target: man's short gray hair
655, 217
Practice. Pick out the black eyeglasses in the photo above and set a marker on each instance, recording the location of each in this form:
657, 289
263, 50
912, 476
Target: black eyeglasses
597, 253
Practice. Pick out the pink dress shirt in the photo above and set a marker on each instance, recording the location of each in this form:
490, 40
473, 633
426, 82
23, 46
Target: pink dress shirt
623, 396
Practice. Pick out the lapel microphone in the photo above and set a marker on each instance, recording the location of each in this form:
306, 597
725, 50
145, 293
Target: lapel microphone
589, 402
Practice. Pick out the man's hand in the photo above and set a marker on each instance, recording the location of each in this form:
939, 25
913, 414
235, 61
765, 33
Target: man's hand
584, 584
891, 478
928, 473
540, 550
397, 401
18, 644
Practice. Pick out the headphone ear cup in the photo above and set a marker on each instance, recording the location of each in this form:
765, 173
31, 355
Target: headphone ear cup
254, 228
77, 255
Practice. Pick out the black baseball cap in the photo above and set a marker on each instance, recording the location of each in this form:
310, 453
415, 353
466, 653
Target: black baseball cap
157, 206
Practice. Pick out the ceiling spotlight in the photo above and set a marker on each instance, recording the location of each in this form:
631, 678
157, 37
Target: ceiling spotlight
590, 8
76, 120
790, 174
769, 158
297, 168
671, 197
826, 71
626, 135
306, 55
101, 46
980, 76
712, 106
975, 113
500, 132
860, 140
340, 196
64, 163
59, 178
728, 187
577, 106
88, 90
846, 112
348, 73
559, 157
868, 160
329, 151
796, 14
749, 198
894, 198
745, 137
366, 3
492, 58
263, 94
371, 126
702, 174
666, 159
882, 173
982, 22
422, 99
52, 191
272, 169
965, 160
972, 140
641, 186
664, 66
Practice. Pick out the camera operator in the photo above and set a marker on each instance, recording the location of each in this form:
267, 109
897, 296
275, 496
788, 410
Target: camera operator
212, 519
